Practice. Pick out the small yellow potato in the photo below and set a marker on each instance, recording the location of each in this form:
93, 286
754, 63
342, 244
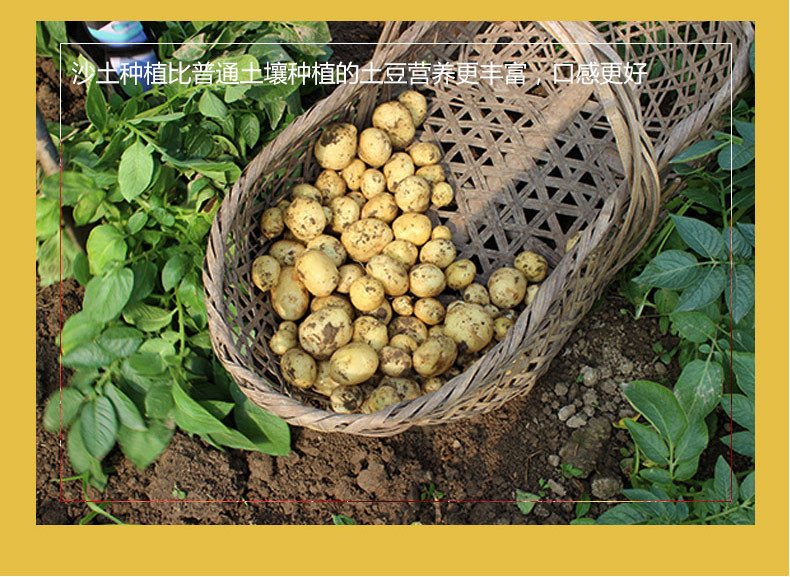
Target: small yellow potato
424, 153
284, 338
325, 331
371, 331
433, 173
532, 290
357, 197
404, 342
440, 252
435, 330
442, 194
509, 314
348, 274
413, 227
407, 389
305, 218
398, 167
374, 147
454, 304
429, 310
353, 364
492, 310
390, 273
366, 238
431, 385
298, 368
283, 205
571, 242
460, 274
507, 287
403, 251
426, 280
332, 300
317, 272
413, 194
396, 121
476, 294
352, 174
394, 362
331, 184
330, 246
533, 265
410, 326
266, 271
366, 294
305, 190
441, 232
272, 222
286, 251
347, 399
345, 212
373, 182
403, 306
324, 384
382, 206
435, 356
383, 312
469, 326
416, 104
501, 326
290, 298
337, 146
381, 398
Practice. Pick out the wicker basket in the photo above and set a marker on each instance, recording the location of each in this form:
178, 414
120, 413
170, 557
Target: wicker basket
532, 165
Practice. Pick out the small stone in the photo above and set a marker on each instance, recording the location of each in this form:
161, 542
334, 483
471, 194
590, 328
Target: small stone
626, 367
554, 460
565, 412
560, 389
576, 421
589, 376
557, 488
606, 487
609, 387
371, 479
590, 397
456, 444
541, 510
544, 398
660, 368
555, 405
589, 410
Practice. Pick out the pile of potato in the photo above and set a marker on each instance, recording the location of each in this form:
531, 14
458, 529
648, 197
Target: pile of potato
356, 270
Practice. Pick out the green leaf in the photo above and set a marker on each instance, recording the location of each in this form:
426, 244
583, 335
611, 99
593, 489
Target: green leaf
741, 442
120, 342
86, 208
96, 106
526, 501
698, 150
81, 460
741, 299
671, 269
144, 280
724, 483
79, 328
743, 367
659, 406
211, 106
747, 487
87, 356
66, 187
650, 442
250, 129
736, 243
623, 514
705, 289
99, 426
127, 411
105, 296
81, 268
106, 246
736, 155
692, 442
174, 270
144, 447
343, 520
47, 217
270, 434
135, 170
159, 401
740, 409
62, 408
147, 364
136, 222
147, 318
661, 476
747, 230
699, 388
694, 326
219, 409
701, 237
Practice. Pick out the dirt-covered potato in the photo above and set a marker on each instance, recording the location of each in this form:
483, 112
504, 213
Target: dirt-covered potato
357, 197
382, 206
442, 194
284, 338
283, 204
441, 232
390, 273
375, 147
353, 364
382, 397
383, 312
304, 190
435, 356
507, 287
410, 326
493, 311
413, 194
476, 294
272, 222
337, 146
317, 272
433, 173
460, 274
324, 384
290, 298
402, 251
416, 104
440, 252
431, 385
413, 227
305, 218
366, 294
501, 326
332, 300
509, 314
286, 251
298, 368
347, 399
469, 326
404, 342
348, 274
331, 184
394, 362
407, 389
325, 331
571, 242
435, 330
366, 238
398, 167
532, 290
424, 153
403, 306
394, 119
266, 271
373, 182
429, 310
426, 280
352, 174
345, 212
371, 331
330, 246
533, 265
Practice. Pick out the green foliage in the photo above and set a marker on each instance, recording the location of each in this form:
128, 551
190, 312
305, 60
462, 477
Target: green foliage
526, 501
343, 520
147, 174
431, 493
569, 471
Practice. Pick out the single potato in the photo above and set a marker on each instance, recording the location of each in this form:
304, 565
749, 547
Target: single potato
413, 194
284, 338
507, 287
382, 206
366, 238
305, 190
412, 227
353, 364
410, 326
442, 194
298, 368
435, 356
337, 146
290, 298
325, 331
305, 218
425, 153
331, 184
433, 173
286, 251
440, 252
347, 399
333, 300
426, 280
390, 273
476, 294
469, 326
272, 222
460, 274
330, 246
373, 182
375, 147
317, 272
345, 212
533, 265
403, 306
403, 251
266, 271
371, 331
430, 311
396, 121
352, 174
394, 362
416, 104
366, 293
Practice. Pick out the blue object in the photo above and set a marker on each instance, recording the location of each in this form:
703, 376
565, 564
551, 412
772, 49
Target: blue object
120, 33
127, 52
